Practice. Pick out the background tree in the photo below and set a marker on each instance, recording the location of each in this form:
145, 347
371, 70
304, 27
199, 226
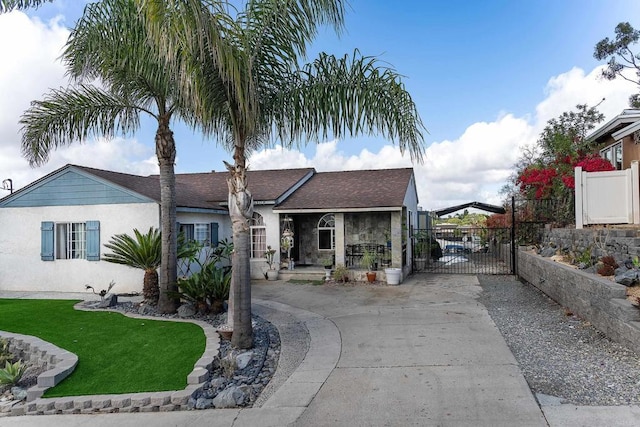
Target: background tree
257, 91
547, 170
620, 57
110, 46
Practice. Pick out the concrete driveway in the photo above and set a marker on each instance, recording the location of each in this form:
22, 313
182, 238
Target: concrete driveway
422, 353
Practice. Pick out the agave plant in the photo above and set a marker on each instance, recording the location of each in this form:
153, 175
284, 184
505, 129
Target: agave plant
12, 372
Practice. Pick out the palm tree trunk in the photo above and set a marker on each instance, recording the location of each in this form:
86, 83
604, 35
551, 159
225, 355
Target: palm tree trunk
240, 211
166, 153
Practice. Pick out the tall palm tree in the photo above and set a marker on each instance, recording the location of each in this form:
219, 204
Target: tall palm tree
253, 89
110, 46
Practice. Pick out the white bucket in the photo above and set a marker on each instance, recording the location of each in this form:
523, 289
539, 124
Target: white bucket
393, 275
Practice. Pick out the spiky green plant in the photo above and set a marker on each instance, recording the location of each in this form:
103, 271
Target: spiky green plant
12, 372
142, 251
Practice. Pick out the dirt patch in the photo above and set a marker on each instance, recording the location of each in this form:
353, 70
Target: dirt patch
633, 295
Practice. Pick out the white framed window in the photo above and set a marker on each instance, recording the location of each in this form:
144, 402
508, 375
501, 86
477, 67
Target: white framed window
327, 232
202, 233
613, 153
70, 240
258, 236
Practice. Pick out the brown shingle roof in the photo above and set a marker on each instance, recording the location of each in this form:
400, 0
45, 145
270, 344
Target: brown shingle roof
208, 190
351, 189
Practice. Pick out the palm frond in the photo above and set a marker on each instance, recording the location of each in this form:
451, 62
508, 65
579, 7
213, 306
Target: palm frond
9, 5
351, 95
142, 251
68, 115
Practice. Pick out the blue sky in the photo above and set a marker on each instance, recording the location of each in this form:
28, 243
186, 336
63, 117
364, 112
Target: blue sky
486, 76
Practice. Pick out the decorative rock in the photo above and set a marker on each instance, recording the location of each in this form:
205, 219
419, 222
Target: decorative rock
186, 310
203, 403
218, 383
548, 252
230, 397
18, 393
243, 359
110, 300
627, 278
146, 310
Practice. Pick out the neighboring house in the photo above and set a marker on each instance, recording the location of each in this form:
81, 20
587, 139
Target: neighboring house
54, 229
618, 140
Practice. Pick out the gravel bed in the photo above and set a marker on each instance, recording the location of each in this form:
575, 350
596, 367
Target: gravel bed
560, 354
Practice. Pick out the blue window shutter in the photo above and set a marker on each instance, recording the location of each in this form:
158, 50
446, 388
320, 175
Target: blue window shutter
214, 234
93, 240
46, 237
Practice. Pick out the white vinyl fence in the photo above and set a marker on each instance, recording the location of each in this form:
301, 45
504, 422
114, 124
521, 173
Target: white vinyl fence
607, 197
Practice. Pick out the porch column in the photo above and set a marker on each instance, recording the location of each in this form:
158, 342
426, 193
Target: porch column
396, 239
339, 230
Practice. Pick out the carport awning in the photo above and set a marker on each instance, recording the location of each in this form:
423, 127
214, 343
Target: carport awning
478, 205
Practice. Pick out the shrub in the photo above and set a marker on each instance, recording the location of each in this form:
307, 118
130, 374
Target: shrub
606, 270
609, 260
5, 355
341, 273
12, 372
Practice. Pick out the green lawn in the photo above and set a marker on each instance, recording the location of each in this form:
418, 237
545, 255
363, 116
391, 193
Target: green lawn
116, 354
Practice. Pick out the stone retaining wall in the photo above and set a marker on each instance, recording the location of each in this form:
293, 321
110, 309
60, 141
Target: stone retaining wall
593, 298
621, 243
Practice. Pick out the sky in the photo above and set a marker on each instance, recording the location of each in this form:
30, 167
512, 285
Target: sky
485, 76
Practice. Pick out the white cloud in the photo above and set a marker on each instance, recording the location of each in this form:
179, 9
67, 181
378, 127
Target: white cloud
31, 67
474, 166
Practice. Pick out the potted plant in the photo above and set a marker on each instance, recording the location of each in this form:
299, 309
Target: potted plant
368, 262
272, 272
327, 263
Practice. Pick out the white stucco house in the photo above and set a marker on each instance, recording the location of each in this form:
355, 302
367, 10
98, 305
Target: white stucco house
54, 229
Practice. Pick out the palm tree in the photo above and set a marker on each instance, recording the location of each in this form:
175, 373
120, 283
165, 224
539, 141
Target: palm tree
144, 252
253, 89
110, 44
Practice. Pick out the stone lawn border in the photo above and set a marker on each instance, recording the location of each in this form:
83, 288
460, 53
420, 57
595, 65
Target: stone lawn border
63, 362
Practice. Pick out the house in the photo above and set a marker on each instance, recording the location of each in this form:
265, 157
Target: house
54, 229
618, 140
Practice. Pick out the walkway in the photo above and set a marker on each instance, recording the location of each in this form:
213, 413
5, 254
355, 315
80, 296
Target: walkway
423, 353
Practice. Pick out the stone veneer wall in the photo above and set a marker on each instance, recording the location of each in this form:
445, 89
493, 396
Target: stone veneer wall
596, 299
620, 243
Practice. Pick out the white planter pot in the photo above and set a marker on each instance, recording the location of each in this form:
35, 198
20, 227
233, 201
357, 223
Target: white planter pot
393, 275
272, 274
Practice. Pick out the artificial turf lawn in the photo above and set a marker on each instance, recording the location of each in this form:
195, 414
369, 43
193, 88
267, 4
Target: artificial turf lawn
116, 354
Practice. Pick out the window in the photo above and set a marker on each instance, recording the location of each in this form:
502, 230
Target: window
70, 240
258, 236
613, 153
327, 232
205, 234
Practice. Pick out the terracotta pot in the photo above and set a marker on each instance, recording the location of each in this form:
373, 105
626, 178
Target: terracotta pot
371, 276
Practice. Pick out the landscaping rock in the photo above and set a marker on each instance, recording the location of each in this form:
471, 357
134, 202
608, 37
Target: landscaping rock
203, 403
548, 252
186, 310
19, 393
243, 359
628, 277
146, 310
230, 397
109, 300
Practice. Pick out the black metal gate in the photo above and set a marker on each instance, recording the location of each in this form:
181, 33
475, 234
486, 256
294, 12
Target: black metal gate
463, 250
